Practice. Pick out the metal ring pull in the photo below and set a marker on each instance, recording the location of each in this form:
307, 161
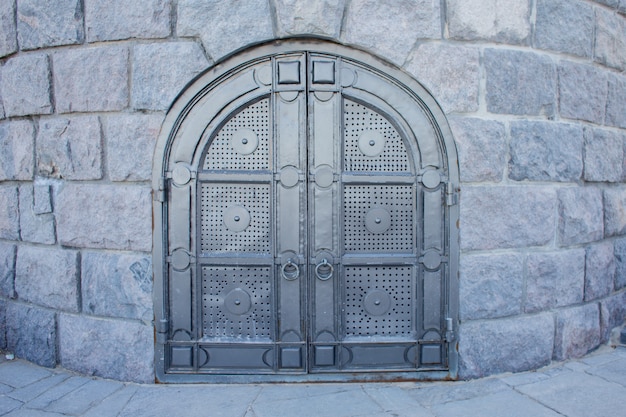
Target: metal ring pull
290, 271
324, 270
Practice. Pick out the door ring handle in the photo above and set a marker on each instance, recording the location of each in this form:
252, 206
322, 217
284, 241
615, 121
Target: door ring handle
290, 271
324, 270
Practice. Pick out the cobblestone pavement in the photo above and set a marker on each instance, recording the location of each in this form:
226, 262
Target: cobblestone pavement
591, 386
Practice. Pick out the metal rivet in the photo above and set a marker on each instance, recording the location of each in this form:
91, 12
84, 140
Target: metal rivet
244, 141
237, 302
377, 220
377, 302
372, 142
237, 218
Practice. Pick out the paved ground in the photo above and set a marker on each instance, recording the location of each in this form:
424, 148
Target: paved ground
594, 386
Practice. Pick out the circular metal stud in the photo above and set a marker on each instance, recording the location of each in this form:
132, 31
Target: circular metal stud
324, 176
181, 174
180, 259
237, 302
377, 302
431, 259
236, 218
289, 176
377, 220
371, 143
431, 179
244, 141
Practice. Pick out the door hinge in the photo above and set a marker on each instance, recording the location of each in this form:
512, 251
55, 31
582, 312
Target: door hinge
159, 194
450, 335
162, 327
452, 194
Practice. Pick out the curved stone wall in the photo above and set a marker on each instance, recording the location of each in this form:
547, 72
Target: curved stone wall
534, 90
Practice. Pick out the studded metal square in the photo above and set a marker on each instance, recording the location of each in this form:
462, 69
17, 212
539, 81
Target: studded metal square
323, 72
289, 72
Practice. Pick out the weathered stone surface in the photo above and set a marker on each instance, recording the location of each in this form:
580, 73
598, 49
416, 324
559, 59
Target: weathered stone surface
506, 345
616, 101
604, 155
577, 331
505, 21
43, 198
91, 79
9, 215
37, 228
8, 29
481, 145
104, 216
580, 215
130, 141
554, 279
70, 148
107, 348
161, 70
599, 270
610, 45
302, 16
450, 72
226, 32
41, 24
564, 26
614, 211
507, 217
31, 334
491, 286
3, 324
121, 19
48, 277
611, 3
25, 87
367, 24
612, 314
546, 151
117, 285
582, 92
620, 263
7, 269
520, 82
17, 142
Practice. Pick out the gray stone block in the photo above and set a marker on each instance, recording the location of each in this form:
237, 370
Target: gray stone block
599, 270
610, 3
48, 277
17, 143
161, 70
604, 155
25, 87
120, 19
546, 151
130, 141
507, 217
9, 215
8, 253
117, 285
582, 92
564, 26
580, 215
450, 72
491, 286
226, 32
104, 216
43, 198
577, 331
505, 21
554, 279
70, 148
614, 211
31, 334
620, 263
41, 24
301, 16
367, 24
91, 79
8, 29
506, 345
520, 82
612, 314
616, 101
610, 44
107, 348
36, 228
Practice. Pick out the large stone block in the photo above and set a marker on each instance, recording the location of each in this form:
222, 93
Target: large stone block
48, 277
368, 24
580, 215
491, 286
25, 87
450, 72
161, 70
107, 348
505, 21
104, 216
507, 217
620, 263
9, 215
554, 279
521, 83
7, 269
3, 324
482, 148
233, 24
546, 151
599, 270
31, 334
130, 141
117, 285
91, 79
121, 19
8, 28
616, 101
604, 155
302, 16
70, 148
505, 345
582, 92
17, 155
615, 211
610, 45
41, 24
612, 314
565, 26
36, 228
577, 331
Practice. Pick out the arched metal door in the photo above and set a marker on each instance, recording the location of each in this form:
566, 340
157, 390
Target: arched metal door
306, 227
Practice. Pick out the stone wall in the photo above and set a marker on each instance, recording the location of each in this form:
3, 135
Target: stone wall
534, 90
